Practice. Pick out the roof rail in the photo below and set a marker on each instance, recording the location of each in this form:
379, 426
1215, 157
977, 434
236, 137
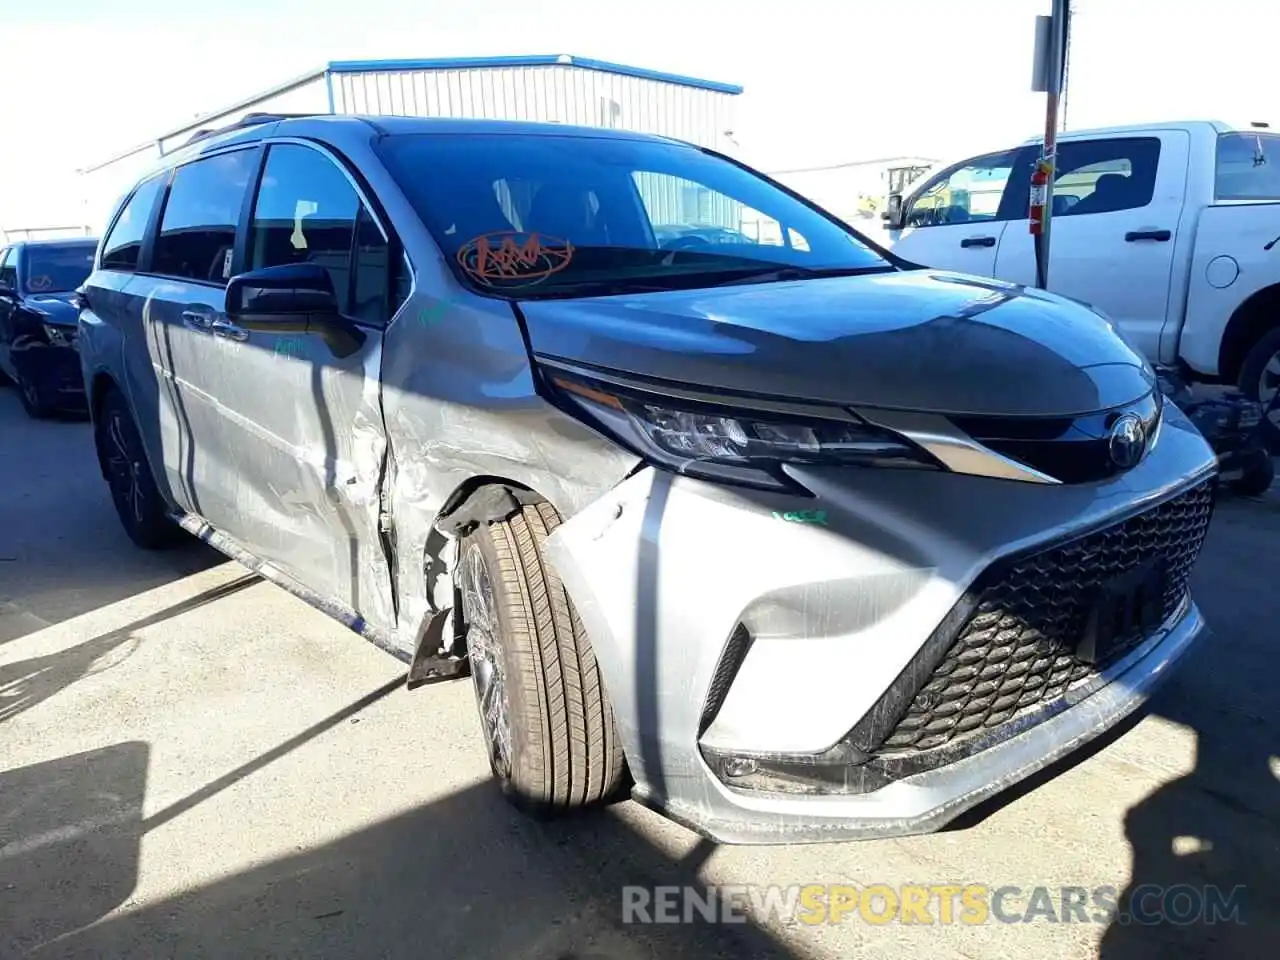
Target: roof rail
248, 120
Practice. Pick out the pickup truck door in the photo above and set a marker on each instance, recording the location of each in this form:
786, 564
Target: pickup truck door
956, 219
1117, 203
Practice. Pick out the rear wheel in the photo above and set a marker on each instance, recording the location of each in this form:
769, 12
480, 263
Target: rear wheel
1260, 380
138, 502
547, 723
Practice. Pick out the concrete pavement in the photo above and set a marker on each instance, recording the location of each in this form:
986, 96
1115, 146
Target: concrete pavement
193, 763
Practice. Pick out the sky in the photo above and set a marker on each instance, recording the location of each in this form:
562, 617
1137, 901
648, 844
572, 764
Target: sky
826, 81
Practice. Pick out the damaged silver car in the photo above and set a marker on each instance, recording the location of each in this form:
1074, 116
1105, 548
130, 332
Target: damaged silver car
793, 539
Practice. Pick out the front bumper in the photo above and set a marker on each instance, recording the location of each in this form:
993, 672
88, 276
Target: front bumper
664, 570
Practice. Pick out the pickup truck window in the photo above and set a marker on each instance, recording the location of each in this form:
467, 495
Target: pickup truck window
966, 194
1102, 176
1248, 166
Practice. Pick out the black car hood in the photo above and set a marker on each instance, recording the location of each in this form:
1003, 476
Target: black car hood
910, 340
57, 307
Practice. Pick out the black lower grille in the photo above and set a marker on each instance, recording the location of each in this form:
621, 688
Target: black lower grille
1017, 648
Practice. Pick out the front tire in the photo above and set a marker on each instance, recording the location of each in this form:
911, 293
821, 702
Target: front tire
548, 725
142, 510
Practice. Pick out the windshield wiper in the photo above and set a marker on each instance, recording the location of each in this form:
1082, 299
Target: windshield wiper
778, 274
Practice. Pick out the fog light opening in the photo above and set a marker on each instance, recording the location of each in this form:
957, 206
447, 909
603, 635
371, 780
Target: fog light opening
736, 767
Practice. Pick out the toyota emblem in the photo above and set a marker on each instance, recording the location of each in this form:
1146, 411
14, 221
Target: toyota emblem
1128, 441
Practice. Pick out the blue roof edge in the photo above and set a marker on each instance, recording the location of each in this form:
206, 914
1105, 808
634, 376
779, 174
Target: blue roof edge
536, 60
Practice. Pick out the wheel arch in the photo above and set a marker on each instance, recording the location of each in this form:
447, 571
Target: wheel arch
484, 499
1251, 320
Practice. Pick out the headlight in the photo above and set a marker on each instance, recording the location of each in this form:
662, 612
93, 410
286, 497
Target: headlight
733, 443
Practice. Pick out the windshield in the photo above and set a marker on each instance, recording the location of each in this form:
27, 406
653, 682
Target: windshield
552, 216
60, 269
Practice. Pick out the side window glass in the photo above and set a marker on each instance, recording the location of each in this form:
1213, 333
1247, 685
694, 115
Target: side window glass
198, 228
968, 194
123, 245
1102, 176
306, 212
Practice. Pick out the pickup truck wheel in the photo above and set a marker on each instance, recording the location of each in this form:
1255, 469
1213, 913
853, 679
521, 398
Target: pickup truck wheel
547, 723
1260, 379
138, 502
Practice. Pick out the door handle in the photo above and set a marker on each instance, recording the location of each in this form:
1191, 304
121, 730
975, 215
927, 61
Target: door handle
978, 242
228, 330
194, 320
1160, 236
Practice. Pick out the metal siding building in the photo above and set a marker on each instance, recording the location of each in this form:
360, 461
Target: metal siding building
560, 89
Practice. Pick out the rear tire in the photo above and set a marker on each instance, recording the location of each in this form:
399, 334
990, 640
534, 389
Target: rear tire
1260, 378
548, 725
142, 510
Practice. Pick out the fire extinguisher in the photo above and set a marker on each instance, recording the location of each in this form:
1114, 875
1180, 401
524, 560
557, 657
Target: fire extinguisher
1039, 195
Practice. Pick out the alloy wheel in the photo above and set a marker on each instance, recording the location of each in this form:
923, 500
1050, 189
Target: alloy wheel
125, 469
480, 616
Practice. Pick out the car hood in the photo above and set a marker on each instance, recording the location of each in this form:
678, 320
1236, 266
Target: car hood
57, 307
910, 340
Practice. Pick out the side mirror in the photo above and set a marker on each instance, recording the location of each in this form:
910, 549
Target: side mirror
6, 290
893, 213
292, 298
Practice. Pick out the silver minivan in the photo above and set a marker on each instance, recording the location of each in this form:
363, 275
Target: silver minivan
714, 499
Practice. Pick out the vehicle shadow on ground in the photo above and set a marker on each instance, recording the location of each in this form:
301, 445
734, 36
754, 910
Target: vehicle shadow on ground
465, 876
1218, 827
70, 837
62, 551
27, 683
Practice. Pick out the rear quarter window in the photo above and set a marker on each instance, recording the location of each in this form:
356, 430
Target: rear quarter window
1248, 166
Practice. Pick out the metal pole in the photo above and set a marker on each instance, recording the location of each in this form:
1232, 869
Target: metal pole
1049, 154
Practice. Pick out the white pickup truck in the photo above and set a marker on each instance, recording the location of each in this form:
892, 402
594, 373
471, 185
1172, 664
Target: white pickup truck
1171, 229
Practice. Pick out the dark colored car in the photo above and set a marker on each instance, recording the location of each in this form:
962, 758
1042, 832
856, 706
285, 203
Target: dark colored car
38, 319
